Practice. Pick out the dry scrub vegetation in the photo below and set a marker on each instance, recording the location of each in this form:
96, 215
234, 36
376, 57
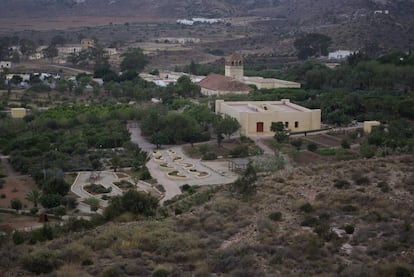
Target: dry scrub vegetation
350, 218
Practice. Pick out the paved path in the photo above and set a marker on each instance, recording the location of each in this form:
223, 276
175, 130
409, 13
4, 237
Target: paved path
137, 137
106, 179
7, 166
218, 172
71, 69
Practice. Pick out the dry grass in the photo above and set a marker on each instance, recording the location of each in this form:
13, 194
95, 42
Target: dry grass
231, 237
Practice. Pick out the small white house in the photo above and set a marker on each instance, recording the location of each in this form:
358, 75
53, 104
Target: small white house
5, 64
339, 55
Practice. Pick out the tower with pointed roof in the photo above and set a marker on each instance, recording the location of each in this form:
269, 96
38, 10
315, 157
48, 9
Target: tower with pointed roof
234, 67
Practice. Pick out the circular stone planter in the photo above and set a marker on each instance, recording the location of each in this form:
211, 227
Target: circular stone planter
177, 159
202, 174
186, 165
166, 167
175, 175
159, 160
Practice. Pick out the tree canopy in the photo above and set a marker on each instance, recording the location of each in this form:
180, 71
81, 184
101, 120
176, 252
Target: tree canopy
312, 44
134, 59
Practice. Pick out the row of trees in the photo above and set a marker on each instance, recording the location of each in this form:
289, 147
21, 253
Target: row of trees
192, 125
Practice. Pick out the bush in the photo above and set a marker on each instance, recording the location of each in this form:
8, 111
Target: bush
307, 208
310, 221
297, 143
239, 151
16, 204
312, 147
361, 180
18, 237
275, 216
93, 203
342, 184
345, 144
50, 200
97, 188
161, 272
40, 261
384, 186
43, 234
349, 229
209, 156
145, 174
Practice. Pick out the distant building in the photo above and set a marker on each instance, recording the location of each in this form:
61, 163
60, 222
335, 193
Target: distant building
234, 80
87, 43
18, 112
340, 54
369, 125
215, 84
256, 117
233, 67
69, 49
5, 64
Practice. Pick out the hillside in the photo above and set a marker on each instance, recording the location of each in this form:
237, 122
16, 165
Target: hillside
349, 218
352, 23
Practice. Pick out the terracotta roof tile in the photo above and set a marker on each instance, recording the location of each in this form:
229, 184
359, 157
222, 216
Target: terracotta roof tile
223, 83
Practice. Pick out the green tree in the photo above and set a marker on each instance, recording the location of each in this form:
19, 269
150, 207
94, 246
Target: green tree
226, 125
312, 44
56, 185
281, 134
134, 59
34, 197
159, 138
115, 162
16, 204
246, 185
50, 200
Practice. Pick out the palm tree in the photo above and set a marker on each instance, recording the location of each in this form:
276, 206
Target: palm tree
33, 196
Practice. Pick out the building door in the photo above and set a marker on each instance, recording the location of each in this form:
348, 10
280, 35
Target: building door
259, 127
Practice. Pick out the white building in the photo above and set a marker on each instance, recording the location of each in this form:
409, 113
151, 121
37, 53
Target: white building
5, 64
340, 54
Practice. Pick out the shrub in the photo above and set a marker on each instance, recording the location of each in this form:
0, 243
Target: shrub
349, 229
361, 180
40, 261
43, 234
384, 186
209, 156
97, 188
239, 151
161, 272
349, 208
16, 204
345, 144
275, 216
297, 143
93, 203
312, 147
18, 237
310, 221
342, 184
307, 208
50, 200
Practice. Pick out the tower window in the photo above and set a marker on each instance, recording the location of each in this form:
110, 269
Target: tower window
296, 124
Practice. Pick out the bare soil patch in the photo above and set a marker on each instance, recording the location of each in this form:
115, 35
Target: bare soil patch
324, 140
17, 187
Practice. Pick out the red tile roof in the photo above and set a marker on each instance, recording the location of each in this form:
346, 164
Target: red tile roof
223, 83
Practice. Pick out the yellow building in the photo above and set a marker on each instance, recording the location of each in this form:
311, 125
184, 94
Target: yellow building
368, 125
256, 117
18, 112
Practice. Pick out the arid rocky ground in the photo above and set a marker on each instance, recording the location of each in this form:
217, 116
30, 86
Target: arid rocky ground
350, 218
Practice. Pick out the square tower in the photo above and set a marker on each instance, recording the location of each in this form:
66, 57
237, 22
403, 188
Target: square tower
234, 67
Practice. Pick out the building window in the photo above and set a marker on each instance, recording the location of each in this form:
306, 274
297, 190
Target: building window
286, 124
296, 124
